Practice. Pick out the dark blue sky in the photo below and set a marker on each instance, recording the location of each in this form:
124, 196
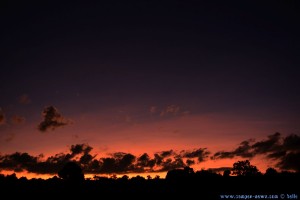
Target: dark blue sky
120, 61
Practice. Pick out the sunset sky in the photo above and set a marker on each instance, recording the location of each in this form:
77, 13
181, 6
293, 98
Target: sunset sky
200, 79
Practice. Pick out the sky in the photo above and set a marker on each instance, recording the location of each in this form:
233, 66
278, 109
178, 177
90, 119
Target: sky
123, 78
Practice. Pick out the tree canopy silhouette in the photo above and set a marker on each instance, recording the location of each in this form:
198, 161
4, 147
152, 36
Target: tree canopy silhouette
244, 168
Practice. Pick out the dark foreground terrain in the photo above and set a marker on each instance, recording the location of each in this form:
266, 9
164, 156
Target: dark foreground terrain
179, 184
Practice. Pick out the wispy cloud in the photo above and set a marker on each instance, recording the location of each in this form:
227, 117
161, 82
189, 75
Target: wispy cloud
24, 99
16, 119
170, 110
153, 110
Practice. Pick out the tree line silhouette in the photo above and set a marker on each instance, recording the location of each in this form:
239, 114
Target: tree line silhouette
242, 178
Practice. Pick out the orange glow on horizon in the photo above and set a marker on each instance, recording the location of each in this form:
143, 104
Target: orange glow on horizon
259, 162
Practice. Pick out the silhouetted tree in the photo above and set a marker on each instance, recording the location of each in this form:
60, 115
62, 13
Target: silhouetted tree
125, 177
206, 173
178, 174
244, 168
12, 177
226, 173
71, 172
157, 177
271, 172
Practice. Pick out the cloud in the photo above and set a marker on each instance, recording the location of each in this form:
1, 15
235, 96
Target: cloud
24, 99
2, 117
291, 142
84, 150
243, 150
170, 164
268, 145
277, 154
80, 148
290, 161
16, 119
170, 110
201, 154
118, 162
189, 162
153, 109
144, 161
17, 161
52, 119
284, 150
86, 158
164, 154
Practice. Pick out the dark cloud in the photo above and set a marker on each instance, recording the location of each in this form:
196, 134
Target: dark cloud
86, 159
291, 143
17, 162
244, 151
16, 119
201, 154
165, 154
144, 161
126, 163
170, 164
290, 161
24, 99
223, 154
52, 164
52, 119
2, 117
268, 145
118, 162
284, 150
158, 159
189, 162
108, 165
80, 148
277, 154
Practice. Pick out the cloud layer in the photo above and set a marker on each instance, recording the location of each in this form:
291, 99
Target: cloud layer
284, 150
118, 162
